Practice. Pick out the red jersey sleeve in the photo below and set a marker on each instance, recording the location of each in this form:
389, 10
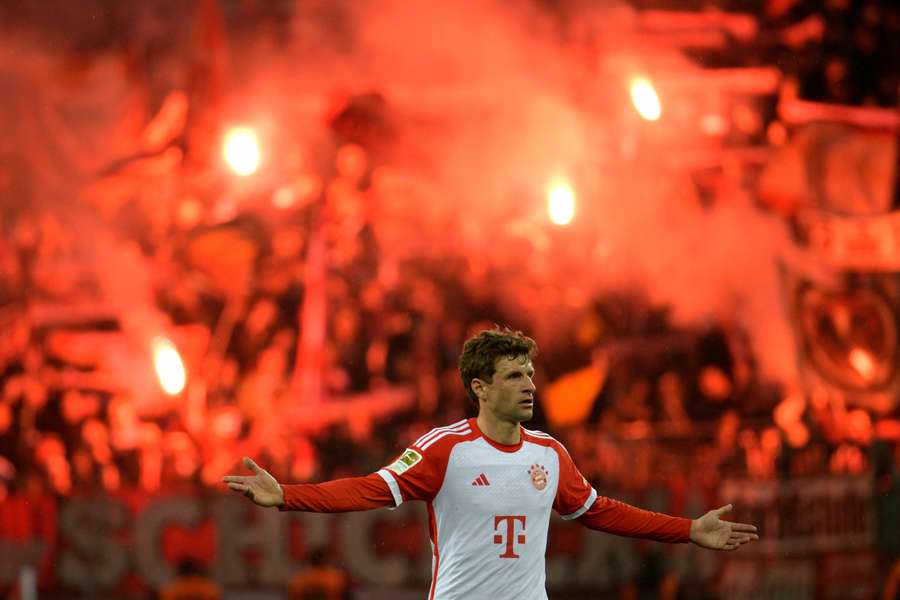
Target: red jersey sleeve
574, 495
415, 475
340, 495
619, 518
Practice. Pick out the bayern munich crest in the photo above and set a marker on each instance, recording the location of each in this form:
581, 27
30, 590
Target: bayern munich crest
539, 476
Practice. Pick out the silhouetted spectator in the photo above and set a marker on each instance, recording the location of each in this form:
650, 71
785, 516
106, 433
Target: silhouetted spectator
319, 580
191, 583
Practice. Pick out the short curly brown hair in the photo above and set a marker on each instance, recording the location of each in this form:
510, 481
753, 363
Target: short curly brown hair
481, 351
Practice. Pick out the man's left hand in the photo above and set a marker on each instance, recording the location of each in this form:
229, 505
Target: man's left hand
710, 531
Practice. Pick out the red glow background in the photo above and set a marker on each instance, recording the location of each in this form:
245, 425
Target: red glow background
722, 307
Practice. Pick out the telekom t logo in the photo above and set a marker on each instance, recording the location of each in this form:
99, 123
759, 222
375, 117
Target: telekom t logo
511, 536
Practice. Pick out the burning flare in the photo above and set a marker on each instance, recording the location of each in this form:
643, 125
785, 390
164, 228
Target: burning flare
560, 202
241, 150
863, 362
645, 100
169, 367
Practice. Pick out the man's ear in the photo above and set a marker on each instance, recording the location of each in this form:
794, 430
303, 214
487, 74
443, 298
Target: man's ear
478, 388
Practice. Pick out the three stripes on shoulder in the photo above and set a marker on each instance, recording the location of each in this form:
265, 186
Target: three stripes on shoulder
460, 428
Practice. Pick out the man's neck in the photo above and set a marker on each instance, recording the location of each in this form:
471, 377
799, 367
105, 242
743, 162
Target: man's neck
502, 432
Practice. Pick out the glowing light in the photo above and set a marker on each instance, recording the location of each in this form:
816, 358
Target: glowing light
561, 202
713, 124
169, 368
284, 197
644, 98
241, 151
863, 362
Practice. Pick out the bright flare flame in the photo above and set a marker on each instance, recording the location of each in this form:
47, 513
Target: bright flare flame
561, 202
863, 362
241, 150
645, 100
169, 368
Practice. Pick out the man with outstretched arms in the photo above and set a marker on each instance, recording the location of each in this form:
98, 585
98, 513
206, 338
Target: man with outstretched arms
490, 485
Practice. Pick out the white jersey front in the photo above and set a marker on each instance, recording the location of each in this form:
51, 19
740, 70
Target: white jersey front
488, 507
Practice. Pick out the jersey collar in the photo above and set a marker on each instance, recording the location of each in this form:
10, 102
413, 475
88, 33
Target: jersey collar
473, 423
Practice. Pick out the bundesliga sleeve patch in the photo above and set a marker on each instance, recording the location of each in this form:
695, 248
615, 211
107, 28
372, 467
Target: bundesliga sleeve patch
406, 461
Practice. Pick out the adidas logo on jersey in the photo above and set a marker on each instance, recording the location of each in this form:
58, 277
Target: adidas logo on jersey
481, 480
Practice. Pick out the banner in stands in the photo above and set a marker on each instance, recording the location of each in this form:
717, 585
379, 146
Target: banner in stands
816, 535
816, 539
125, 544
846, 329
868, 243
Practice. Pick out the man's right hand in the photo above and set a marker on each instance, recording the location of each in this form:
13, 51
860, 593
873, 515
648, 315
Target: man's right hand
260, 487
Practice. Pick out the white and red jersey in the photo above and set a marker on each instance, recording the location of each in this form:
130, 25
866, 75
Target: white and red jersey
488, 506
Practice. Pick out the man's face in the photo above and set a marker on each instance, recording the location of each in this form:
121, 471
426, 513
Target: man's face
510, 393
